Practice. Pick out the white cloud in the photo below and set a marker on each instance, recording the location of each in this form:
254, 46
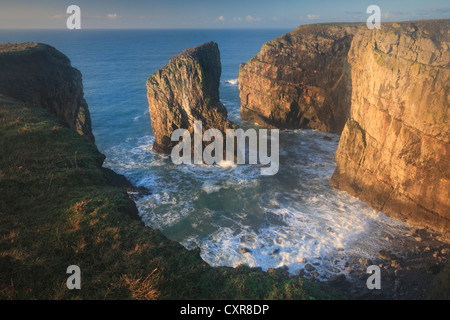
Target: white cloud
59, 16
252, 19
386, 15
221, 19
112, 16
247, 19
312, 16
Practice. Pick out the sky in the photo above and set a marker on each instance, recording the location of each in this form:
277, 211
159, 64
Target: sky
209, 14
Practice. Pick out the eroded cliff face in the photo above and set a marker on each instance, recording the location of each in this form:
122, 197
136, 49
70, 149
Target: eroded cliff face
41, 76
300, 80
184, 91
394, 153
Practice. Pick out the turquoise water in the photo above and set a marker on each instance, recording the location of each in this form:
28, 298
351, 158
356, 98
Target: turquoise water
233, 214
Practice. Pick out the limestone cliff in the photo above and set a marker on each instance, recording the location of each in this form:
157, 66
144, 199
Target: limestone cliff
300, 80
394, 153
41, 76
184, 91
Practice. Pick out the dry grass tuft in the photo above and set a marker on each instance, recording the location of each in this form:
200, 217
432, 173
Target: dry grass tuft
142, 289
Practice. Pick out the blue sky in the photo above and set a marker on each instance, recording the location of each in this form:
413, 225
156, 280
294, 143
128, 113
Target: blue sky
104, 14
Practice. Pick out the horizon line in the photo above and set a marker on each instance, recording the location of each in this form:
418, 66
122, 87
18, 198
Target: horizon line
220, 28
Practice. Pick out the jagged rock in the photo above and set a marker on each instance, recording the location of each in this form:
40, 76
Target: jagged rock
184, 91
41, 76
365, 262
300, 80
339, 281
386, 255
309, 267
394, 153
120, 181
244, 250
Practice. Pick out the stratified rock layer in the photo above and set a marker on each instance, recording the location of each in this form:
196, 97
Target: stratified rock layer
41, 76
300, 80
394, 152
184, 91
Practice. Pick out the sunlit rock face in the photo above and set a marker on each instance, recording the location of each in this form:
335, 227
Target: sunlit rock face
300, 80
394, 153
386, 90
184, 91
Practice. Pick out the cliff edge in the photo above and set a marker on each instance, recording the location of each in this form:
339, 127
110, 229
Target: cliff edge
41, 76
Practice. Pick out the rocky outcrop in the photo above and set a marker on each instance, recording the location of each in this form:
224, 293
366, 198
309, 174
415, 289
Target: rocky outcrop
389, 87
41, 76
300, 80
184, 91
394, 153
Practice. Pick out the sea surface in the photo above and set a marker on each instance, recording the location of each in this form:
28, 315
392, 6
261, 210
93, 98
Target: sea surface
232, 213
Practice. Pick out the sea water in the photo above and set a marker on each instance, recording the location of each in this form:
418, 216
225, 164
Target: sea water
232, 213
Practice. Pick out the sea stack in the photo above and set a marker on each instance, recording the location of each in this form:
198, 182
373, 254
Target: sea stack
300, 80
394, 153
184, 91
41, 76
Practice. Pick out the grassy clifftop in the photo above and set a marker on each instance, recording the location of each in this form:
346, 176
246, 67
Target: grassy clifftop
58, 209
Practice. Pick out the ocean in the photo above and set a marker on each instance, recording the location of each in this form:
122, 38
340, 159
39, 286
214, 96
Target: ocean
232, 213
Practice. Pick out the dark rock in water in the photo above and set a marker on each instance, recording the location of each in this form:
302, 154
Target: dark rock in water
283, 269
184, 91
395, 264
386, 255
365, 262
196, 251
120, 181
309, 267
275, 251
435, 268
244, 250
339, 281
41, 76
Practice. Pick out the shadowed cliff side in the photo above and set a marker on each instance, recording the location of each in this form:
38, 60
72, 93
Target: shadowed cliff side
41, 76
184, 91
300, 80
394, 153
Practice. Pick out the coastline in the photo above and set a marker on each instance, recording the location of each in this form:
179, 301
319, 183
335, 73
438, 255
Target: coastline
58, 209
403, 277
61, 204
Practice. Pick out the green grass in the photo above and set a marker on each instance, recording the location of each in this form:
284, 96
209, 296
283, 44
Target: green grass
57, 209
440, 287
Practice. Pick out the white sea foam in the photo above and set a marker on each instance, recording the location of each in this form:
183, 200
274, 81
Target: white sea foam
236, 216
232, 82
208, 187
